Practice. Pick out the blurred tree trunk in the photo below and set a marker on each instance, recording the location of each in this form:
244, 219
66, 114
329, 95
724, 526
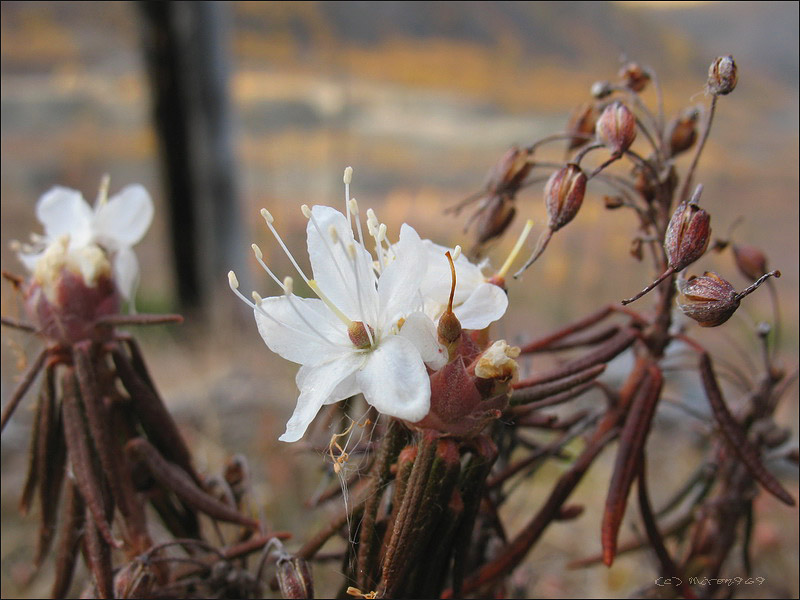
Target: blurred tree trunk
186, 52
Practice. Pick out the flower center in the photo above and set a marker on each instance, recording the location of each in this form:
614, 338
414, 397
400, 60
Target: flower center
360, 334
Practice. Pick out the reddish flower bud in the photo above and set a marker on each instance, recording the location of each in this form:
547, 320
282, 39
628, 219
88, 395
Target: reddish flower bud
612, 202
616, 127
509, 173
294, 578
682, 131
634, 77
581, 124
563, 195
751, 261
496, 218
722, 76
688, 235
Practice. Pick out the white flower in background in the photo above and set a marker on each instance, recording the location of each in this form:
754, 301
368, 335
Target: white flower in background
366, 333
115, 224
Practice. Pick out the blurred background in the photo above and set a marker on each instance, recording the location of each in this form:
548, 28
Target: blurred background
421, 99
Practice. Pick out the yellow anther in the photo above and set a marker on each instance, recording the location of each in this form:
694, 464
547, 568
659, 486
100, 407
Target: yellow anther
456, 252
348, 175
288, 284
267, 216
232, 281
306, 211
257, 251
256, 298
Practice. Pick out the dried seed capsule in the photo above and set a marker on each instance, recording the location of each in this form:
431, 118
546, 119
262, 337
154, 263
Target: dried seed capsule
711, 300
682, 131
612, 202
294, 578
581, 124
616, 128
688, 234
634, 77
751, 261
722, 76
563, 195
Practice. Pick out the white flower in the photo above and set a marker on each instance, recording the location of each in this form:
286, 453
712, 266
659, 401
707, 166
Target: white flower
115, 224
365, 334
476, 303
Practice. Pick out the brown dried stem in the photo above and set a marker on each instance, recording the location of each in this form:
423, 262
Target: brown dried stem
27, 379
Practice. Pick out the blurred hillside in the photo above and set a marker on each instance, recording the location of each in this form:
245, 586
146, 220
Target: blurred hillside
421, 99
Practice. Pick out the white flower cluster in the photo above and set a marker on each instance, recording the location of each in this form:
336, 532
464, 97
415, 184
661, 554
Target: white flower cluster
372, 327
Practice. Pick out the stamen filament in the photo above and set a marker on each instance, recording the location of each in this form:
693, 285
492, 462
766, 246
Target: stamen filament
348, 177
102, 193
516, 249
335, 309
260, 259
269, 219
351, 251
310, 216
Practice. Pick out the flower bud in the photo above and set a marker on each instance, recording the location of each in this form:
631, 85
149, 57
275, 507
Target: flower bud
722, 76
581, 124
634, 77
496, 218
509, 173
751, 261
563, 195
710, 300
682, 131
688, 235
294, 578
616, 128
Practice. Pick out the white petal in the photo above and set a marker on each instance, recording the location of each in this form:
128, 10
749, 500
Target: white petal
394, 380
29, 260
334, 269
125, 218
420, 331
319, 384
438, 278
126, 272
64, 211
486, 304
301, 339
399, 284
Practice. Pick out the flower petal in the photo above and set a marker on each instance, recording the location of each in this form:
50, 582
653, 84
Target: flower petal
348, 282
302, 330
125, 218
486, 305
419, 329
394, 380
319, 384
63, 211
399, 284
126, 272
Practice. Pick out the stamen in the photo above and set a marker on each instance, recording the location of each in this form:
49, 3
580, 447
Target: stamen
234, 285
516, 249
260, 259
348, 177
456, 252
335, 309
351, 251
256, 297
269, 219
332, 231
102, 194
288, 285
379, 237
354, 208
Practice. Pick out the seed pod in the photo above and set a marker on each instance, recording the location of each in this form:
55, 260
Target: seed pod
688, 234
634, 77
616, 128
722, 76
563, 195
710, 300
294, 578
508, 174
751, 261
612, 202
581, 125
682, 131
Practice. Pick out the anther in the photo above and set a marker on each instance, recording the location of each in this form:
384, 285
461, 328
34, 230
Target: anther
381, 233
348, 175
257, 252
256, 298
456, 252
353, 206
232, 281
288, 285
306, 211
102, 194
267, 216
